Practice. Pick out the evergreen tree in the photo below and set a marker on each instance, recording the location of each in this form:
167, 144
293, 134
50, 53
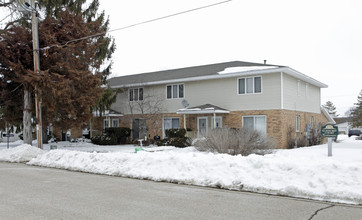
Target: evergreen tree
331, 109
356, 112
70, 75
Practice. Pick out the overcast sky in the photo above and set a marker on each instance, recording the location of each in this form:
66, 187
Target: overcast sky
320, 38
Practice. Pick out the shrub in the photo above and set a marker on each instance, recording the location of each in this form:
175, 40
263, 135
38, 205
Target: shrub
235, 141
121, 133
104, 140
316, 135
175, 133
175, 137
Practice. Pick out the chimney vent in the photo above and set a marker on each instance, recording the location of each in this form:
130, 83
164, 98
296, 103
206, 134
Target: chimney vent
264, 61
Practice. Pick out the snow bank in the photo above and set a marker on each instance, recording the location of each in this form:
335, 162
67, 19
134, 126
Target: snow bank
280, 173
22, 153
303, 172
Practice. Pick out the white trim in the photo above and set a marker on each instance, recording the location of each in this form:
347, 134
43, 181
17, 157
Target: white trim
297, 123
163, 124
138, 93
213, 121
198, 125
328, 116
192, 111
254, 116
286, 70
252, 77
115, 119
178, 91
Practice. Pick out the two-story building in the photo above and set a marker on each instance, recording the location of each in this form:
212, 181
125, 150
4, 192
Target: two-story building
268, 98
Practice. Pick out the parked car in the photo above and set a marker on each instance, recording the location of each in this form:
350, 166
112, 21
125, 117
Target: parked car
354, 132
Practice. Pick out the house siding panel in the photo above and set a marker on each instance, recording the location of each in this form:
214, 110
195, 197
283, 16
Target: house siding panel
292, 101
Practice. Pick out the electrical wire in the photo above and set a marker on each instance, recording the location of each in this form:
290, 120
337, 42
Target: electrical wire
7, 16
133, 25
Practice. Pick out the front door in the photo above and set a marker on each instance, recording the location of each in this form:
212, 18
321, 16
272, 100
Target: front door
138, 128
202, 126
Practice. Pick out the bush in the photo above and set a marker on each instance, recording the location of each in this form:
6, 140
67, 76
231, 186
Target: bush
104, 140
175, 133
121, 133
316, 135
175, 137
235, 141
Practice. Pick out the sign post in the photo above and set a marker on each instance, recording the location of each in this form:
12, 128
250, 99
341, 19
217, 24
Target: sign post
329, 131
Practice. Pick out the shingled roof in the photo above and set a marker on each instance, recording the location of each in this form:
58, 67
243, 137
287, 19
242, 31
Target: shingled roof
206, 72
195, 71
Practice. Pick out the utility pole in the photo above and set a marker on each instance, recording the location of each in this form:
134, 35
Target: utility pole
30, 6
34, 28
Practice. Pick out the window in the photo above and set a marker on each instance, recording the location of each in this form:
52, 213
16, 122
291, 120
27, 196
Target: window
257, 123
136, 94
297, 123
249, 85
218, 122
170, 123
106, 123
115, 123
175, 91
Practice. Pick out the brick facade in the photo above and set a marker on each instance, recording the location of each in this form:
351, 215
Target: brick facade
278, 123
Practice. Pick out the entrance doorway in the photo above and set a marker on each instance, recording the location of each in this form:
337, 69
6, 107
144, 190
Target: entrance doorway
202, 125
138, 128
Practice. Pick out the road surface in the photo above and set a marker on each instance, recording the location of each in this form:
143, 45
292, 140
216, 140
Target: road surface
29, 192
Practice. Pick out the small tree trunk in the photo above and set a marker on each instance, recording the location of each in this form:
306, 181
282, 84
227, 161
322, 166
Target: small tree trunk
27, 133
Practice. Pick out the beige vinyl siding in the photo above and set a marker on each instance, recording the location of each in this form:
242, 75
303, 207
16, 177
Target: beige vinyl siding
224, 93
303, 102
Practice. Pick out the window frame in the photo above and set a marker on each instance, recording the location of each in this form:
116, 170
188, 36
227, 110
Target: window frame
254, 120
297, 123
246, 88
115, 120
170, 93
212, 122
106, 123
131, 94
169, 118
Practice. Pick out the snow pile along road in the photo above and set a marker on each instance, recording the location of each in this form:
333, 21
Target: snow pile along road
303, 172
22, 153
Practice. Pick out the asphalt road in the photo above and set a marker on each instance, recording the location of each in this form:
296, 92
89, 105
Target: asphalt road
28, 192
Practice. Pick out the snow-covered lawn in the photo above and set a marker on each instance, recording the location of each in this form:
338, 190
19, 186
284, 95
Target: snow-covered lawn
304, 172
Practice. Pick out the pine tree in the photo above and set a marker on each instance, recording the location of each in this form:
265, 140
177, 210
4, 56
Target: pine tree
69, 79
68, 84
331, 109
356, 112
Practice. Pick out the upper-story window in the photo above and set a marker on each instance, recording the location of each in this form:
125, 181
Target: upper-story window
249, 85
175, 91
136, 94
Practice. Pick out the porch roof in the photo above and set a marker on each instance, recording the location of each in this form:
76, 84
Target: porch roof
203, 109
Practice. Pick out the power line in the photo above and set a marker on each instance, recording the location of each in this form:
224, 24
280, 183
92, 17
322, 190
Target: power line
133, 25
7, 16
